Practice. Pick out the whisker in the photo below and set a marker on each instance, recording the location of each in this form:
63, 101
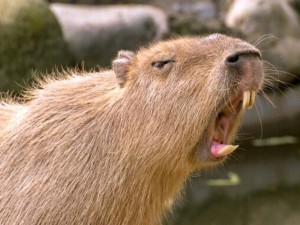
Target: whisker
234, 156
268, 99
245, 138
282, 72
264, 38
274, 69
242, 149
260, 120
273, 86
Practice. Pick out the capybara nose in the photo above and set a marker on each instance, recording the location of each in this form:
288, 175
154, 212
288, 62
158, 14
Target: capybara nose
248, 66
237, 59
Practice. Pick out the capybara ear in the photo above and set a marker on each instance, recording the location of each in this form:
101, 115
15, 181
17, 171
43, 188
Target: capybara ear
121, 66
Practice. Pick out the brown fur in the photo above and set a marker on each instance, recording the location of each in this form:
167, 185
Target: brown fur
85, 150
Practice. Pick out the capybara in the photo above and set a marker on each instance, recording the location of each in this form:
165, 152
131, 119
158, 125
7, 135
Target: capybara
115, 147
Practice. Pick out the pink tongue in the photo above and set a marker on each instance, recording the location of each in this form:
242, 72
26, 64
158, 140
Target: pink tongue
216, 149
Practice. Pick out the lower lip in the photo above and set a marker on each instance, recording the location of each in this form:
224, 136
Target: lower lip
217, 158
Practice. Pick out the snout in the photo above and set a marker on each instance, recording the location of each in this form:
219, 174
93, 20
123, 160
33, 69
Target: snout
247, 67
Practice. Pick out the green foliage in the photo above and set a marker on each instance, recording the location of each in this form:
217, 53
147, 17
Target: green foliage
30, 40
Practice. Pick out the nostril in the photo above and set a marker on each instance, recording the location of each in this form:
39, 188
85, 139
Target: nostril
233, 59
238, 57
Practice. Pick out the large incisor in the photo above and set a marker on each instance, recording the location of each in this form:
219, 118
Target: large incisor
248, 99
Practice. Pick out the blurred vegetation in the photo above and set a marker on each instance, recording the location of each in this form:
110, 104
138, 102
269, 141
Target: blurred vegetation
31, 39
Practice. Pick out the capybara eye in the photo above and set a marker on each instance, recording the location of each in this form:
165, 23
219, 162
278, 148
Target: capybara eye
161, 64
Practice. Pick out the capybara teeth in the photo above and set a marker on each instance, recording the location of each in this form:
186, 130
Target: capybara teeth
248, 99
252, 99
227, 150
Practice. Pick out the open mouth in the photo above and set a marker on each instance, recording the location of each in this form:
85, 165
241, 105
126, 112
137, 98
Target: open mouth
225, 121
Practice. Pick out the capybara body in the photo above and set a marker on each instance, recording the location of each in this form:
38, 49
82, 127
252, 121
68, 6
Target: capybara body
115, 147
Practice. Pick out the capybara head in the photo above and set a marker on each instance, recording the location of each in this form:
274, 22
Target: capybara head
196, 90
115, 147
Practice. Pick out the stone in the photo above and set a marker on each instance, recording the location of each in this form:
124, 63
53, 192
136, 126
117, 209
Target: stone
31, 41
202, 17
258, 17
96, 33
273, 26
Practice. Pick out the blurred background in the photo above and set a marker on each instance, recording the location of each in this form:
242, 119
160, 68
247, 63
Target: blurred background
260, 184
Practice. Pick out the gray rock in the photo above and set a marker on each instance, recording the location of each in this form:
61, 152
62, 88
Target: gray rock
274, 27
30, 40
257, 17
196, 18
203, 10
96, 33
